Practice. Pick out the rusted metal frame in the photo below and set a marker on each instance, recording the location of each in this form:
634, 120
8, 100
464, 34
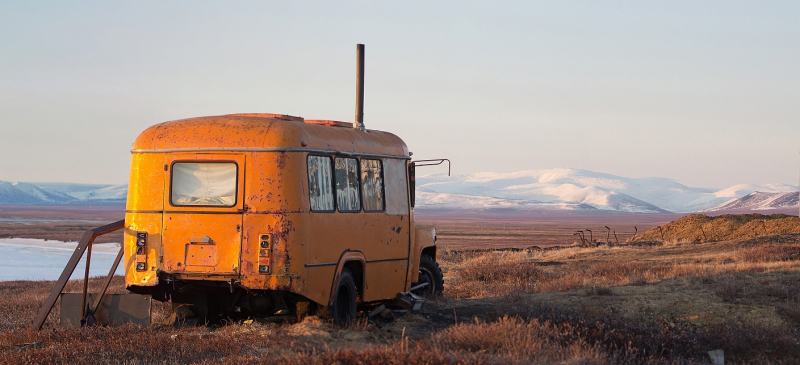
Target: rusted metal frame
86, 281
88, 237
108, 280
434, 162
412, 228
580, 234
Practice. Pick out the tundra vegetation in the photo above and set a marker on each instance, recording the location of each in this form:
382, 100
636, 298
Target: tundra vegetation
642, 300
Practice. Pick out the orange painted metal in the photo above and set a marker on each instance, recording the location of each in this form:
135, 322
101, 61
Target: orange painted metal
332, 123
306, 249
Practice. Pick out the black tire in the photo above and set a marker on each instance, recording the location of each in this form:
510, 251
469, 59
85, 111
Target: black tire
343, 309
430, 274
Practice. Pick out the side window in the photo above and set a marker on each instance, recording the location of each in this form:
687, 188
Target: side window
396, 196
347, 197
320, 186
372, 185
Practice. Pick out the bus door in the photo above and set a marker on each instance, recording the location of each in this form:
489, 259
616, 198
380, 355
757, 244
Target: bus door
203, 212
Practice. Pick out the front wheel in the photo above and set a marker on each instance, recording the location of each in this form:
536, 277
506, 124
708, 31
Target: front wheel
343, 309
430, 282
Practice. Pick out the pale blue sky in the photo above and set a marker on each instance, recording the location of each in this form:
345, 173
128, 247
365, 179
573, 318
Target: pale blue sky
707, 93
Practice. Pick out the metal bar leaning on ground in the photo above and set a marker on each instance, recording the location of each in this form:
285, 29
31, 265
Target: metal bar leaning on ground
87, 240
86, 280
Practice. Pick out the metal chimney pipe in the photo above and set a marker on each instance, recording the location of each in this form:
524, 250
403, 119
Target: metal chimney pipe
359, 124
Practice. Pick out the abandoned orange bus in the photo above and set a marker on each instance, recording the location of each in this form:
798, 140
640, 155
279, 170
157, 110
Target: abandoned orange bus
265, 214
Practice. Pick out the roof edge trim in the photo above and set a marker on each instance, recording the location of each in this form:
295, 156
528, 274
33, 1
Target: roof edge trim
260, 149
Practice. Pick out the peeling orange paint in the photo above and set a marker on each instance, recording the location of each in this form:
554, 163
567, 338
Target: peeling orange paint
306, 249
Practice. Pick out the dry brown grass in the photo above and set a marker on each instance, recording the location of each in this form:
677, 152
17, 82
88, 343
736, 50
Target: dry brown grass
646, 302
742, 293
526, 342
481, 275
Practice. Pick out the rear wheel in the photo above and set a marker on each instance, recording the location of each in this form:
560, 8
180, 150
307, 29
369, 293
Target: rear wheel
343, 309
430, 282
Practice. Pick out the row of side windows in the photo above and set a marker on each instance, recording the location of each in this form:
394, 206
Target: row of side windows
351, 184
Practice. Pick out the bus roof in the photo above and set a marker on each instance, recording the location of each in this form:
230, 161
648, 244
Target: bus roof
266, 132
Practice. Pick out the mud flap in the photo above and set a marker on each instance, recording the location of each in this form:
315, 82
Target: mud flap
114, 310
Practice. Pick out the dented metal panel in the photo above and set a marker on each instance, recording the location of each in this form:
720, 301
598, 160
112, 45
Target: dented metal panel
184, 252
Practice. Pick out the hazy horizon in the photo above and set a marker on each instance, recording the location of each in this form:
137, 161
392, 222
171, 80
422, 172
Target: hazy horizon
703, 93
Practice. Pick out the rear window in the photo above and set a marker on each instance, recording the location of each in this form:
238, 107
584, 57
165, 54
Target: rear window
204, 184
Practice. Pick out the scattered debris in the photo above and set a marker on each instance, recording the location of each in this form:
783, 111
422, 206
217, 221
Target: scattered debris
717, 357
409, 301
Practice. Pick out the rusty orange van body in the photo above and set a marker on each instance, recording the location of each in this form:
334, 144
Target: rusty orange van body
273, 226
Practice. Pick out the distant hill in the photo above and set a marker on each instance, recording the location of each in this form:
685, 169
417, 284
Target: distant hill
22, 193
760, 201
575, 190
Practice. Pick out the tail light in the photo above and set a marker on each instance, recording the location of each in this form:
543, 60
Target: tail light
264, 246
141, 252
141, 239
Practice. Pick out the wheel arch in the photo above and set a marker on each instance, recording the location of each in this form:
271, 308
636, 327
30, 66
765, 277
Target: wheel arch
356, 263
430, 251
424, 242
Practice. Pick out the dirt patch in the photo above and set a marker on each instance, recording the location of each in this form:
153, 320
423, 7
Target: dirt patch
702, 228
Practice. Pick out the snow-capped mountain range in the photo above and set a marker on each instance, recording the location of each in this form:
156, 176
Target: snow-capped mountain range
573, 189
21, 193
531, 190
761, 201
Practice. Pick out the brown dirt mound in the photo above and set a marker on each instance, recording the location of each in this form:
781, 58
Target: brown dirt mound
702, 228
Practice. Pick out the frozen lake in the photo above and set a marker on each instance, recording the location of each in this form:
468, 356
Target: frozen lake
38, 259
